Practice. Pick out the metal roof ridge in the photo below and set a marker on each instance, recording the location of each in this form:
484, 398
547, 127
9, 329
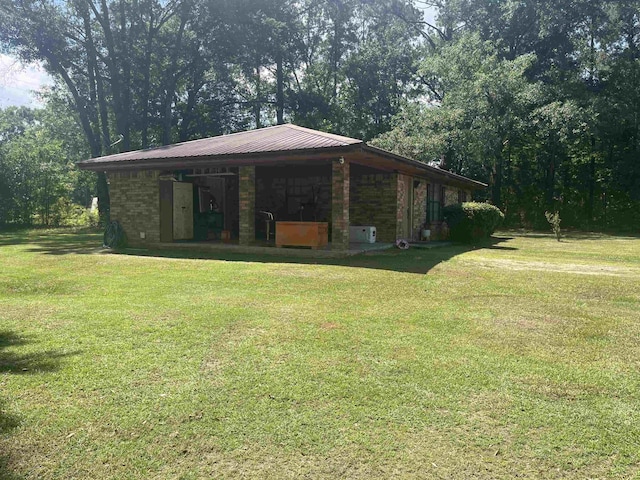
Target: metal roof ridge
345, 141
319, 133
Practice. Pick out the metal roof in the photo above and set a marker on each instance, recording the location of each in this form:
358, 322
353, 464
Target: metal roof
255, 145
423, 166
280, 138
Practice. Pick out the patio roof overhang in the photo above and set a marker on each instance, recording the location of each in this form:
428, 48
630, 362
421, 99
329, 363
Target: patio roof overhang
279, 145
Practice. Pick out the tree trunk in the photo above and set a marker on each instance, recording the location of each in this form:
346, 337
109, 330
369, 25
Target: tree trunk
592, 181
146, 86
551, 180
114, 63
170, 90
280, 88
125, 104
256, 106
496, 181
104, 200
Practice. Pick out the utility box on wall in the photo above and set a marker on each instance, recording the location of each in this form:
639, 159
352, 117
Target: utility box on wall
362, 234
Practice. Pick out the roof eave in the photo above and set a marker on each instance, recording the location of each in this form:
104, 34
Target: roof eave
252, 158
423, 166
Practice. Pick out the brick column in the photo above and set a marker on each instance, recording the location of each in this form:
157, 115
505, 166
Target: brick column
400, 206
419, 207
340, 205
247, 220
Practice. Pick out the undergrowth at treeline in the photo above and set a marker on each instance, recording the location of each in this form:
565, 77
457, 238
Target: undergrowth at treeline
517, 358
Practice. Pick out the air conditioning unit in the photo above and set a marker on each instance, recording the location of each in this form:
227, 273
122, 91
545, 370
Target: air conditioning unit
362, 234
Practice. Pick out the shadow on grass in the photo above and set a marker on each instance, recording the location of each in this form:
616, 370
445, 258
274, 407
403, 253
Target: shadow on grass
26, 363
55, 241
8, 422
14, 362
415, 260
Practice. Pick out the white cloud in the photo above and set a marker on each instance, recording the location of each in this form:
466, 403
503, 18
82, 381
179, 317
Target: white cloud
429, 13
19, 82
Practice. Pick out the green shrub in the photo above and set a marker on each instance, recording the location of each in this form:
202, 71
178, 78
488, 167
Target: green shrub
472, 221
64, 213
114, 236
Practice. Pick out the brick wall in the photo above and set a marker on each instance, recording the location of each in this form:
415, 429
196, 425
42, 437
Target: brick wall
450, 196
401, 211
373, 201
135, 203
247, 195
340, 200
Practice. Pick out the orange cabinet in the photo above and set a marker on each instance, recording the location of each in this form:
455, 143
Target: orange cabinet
302, 234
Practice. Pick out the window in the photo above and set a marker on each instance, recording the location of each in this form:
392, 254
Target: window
462, 196
434, 207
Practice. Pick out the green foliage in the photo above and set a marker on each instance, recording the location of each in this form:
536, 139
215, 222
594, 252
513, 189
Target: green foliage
38, 179
554, 220
482, 100
472, 221
64, 213
539, 100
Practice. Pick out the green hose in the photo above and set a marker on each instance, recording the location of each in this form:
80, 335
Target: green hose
114, 236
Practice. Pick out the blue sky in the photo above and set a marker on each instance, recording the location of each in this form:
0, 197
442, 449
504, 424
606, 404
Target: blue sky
18, 82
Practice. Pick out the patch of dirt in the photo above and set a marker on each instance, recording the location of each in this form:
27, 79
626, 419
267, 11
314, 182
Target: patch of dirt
329, 326
307, 273
527, 323
542, 386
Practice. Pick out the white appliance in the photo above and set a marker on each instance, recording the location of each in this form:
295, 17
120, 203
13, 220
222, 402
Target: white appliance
362, 234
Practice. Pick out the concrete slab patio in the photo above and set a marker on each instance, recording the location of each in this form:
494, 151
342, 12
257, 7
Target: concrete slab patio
266, 249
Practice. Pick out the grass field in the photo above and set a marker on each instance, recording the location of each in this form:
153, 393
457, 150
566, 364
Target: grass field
517, 360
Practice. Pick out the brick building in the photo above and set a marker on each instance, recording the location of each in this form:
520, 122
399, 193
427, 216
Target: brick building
229, 187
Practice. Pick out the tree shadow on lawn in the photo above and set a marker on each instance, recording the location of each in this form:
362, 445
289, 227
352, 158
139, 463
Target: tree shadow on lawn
415, 260
27, 363
15, 363
56, 242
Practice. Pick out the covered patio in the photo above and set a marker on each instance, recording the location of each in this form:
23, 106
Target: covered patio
277, 186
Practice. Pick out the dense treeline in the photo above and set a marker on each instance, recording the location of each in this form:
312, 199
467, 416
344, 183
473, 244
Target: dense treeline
539, 99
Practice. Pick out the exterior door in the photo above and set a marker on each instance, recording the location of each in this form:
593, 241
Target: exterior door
218, 191
182, 211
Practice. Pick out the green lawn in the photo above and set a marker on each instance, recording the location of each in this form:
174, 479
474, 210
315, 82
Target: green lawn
520, 359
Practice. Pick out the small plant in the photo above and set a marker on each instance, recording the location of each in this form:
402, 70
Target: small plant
554, 220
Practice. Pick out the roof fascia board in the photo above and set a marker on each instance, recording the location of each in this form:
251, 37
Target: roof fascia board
423, 166
235, 160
